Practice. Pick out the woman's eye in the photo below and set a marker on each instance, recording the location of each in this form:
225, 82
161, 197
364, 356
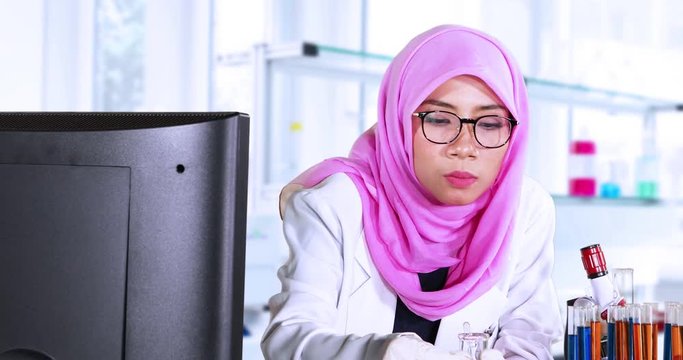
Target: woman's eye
490, 124
437, 120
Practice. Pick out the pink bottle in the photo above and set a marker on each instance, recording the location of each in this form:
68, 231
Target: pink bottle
582, 179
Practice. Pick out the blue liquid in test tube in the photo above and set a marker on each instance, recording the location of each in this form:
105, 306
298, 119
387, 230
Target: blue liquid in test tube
630, 338
611, 341
584, 333
667, 341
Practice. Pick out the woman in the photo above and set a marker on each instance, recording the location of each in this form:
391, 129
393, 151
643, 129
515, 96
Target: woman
429, 227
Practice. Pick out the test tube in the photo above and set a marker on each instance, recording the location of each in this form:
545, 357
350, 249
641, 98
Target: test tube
649, 328
629, 317
636, 331
676, 332
583, 330
611, 332
596, 333
621, 333
670, 317
572, 337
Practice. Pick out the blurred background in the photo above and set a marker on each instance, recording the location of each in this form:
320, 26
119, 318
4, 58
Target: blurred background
603, 76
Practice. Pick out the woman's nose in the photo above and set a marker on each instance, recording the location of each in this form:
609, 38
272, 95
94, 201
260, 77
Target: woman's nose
465, 144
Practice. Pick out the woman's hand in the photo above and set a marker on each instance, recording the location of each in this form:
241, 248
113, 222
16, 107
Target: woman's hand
409, 346
491, 354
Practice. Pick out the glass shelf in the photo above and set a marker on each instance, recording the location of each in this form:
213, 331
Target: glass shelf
330, 61
564, 200
611, 100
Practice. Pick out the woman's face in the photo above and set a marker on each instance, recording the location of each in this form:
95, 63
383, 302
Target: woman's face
459, 172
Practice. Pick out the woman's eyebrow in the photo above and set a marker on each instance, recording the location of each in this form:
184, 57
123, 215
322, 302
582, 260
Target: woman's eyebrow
450, 106
492, 107
438, 103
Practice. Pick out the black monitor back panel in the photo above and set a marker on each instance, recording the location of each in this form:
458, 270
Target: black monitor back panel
119, 243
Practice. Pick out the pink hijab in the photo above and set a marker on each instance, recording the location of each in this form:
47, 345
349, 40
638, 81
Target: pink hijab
407, 232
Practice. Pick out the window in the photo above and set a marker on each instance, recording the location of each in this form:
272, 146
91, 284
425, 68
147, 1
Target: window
119, 55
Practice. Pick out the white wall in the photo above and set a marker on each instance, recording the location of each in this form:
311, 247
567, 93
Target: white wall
21, 36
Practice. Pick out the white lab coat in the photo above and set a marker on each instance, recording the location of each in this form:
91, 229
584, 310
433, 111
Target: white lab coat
334, 304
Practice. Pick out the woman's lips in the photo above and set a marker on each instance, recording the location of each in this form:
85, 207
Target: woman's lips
461, 179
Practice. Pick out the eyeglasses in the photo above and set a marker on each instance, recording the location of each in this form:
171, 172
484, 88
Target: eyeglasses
443, 127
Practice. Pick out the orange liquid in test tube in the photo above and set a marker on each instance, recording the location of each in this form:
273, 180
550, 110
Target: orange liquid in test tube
649, 346
676, 343
596, 336
637, 342
655, 340
635, 315
650, 337
622, 340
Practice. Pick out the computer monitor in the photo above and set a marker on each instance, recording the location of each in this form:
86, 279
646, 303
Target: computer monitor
122, 235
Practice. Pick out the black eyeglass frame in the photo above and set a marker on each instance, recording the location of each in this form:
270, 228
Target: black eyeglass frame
423, 114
